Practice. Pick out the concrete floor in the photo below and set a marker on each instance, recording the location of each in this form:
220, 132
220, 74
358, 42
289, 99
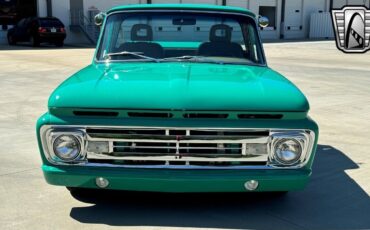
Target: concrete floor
337, 85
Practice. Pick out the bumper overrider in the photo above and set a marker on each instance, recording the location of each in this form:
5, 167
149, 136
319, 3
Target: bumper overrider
177, 159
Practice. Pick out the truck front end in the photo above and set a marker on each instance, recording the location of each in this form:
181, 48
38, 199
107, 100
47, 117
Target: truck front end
178, 99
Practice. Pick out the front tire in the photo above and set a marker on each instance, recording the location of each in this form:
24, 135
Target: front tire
279, 193
11, 40
59, 44
86, 195
79, 191
35, 41
71, 189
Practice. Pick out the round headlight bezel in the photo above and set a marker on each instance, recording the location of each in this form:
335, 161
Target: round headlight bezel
279, 152
306, 138
76, 156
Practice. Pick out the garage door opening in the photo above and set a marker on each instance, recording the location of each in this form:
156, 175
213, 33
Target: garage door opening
270, 13
11, 11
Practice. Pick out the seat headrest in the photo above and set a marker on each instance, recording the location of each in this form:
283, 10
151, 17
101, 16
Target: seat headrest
220, 33
141, 32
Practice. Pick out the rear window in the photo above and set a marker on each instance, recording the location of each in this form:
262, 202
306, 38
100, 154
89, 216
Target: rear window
51, 23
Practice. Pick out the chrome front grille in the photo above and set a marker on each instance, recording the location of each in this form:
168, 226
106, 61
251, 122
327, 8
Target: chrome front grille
178, 146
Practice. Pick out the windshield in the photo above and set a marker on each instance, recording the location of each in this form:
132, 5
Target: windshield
180, 36
51, 23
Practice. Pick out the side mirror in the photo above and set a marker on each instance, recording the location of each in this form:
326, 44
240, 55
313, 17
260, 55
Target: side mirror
99, 19
263, 21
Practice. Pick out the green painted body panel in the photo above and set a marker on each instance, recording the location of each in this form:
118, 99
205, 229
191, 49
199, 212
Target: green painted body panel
178, 87
186, 45
178, 180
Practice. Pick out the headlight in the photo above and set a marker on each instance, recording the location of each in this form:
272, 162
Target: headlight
290, 148
66, 147
288, 151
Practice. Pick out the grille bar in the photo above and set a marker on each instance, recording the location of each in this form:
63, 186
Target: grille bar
180, 144
251, 140
159, 147
183, 158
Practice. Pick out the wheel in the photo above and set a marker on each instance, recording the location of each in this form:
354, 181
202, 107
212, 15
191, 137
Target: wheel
11, 40
59, 44
78, 191
279, 194
35, 41
71, 189
86, 195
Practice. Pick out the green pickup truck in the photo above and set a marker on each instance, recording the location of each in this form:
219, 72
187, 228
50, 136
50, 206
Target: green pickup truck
178, 98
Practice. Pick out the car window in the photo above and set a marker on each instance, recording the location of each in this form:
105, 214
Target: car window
51, 23
21, 22
164, 35
28, 21
33, 23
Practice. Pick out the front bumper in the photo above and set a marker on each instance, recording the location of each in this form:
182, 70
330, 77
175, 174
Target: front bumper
50, 37
169, 180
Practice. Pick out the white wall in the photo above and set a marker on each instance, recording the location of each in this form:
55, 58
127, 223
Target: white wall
357, 2
164, 1
61, 10
293, 20
104, 5
313, 6
216, 2
337, 4
41, 8
238, 3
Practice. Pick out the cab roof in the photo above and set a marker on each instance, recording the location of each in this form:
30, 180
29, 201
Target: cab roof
204, 7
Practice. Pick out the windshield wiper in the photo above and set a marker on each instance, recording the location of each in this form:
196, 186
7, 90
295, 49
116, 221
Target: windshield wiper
193, 58
127, 53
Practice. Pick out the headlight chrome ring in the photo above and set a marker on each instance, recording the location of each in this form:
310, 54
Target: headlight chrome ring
66, 147
288, 151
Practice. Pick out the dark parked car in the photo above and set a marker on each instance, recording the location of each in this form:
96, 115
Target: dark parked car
38, 30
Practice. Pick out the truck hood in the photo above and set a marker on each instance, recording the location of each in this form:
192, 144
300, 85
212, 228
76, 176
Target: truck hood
179, 86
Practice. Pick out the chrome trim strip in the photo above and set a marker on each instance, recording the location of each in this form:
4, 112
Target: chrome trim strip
169, 147
248, 141
182, 158
187, 166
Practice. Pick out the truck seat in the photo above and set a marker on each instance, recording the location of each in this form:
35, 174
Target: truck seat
220, 44
142, 37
